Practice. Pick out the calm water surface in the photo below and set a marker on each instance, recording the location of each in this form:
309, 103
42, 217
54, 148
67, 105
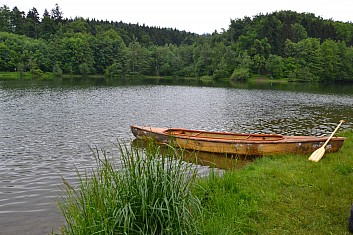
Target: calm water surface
47, 129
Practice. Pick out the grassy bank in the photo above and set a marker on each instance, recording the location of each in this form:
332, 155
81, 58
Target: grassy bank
281, 195
156, 193
256, 78
25, 76
166, 79
42, 76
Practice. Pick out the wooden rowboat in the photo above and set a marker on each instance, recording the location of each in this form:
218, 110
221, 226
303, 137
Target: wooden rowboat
234, 143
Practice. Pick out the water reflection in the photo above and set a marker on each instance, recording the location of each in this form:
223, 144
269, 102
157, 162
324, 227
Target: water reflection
205, 160
47, 129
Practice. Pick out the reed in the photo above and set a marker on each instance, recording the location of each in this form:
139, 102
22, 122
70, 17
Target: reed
149, 194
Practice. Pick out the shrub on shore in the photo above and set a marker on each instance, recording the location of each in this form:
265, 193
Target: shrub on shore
149, 194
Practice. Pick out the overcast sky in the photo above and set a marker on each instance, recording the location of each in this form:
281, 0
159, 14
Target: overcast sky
198, 16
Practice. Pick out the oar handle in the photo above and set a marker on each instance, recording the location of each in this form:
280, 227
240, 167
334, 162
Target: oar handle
329, 138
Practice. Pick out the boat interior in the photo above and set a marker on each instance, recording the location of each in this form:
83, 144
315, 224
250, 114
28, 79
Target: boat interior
222, 135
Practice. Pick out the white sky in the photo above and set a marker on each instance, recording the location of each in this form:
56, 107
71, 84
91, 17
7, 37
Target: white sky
198, 16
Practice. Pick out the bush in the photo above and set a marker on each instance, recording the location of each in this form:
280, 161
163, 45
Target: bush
36, 73
150, 194
240, 74
84, 69
57, 71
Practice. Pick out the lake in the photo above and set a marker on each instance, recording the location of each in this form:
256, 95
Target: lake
48, 128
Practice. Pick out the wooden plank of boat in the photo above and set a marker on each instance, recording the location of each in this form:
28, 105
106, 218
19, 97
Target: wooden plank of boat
234, 143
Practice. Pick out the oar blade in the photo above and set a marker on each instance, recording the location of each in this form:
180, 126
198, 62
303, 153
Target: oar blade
317, 154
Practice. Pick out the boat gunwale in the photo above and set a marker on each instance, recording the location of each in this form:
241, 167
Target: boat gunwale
283, 140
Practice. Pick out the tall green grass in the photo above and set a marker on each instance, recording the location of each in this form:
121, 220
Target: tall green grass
149, 194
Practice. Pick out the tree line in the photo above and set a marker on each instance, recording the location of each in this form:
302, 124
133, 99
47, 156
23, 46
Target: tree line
284, 44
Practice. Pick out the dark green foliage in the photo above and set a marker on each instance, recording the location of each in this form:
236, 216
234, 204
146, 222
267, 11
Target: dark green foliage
74, 51
57, 71
299, 32
17, 21
115, 70
240, 74
275, 66
32, 23
47, 27
108, 48
20, 69
283, 44
5, 14
84, 69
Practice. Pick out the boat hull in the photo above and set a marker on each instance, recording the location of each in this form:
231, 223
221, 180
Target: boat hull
238, 144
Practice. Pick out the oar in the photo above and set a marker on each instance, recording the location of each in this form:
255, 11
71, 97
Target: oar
319, 153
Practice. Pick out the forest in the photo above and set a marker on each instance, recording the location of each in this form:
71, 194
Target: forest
284, 44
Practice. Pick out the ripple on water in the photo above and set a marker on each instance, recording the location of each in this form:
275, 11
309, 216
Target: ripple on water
46, 133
